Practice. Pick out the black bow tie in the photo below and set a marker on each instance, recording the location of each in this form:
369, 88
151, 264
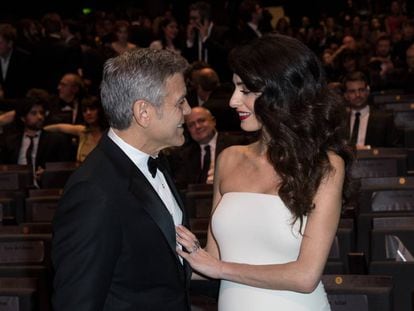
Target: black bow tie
153, 164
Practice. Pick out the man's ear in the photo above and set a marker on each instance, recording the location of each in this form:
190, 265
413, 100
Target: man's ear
142, 112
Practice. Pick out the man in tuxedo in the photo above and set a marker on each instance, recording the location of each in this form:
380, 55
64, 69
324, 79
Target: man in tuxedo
214, 96
194, 162
207, 41
65, 107
15, 68
250, 13
114, 243
367, 126
29, 144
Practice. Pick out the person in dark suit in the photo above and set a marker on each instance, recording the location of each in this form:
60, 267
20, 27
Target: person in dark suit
250, 14
207, 41
214, 96
15, 68
114, 244
53, 57
367, 126
65, 107
30, 145
188, 163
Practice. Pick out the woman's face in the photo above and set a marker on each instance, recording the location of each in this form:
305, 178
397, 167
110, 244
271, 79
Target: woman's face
90, 115
243, 101
171, 30
122, 34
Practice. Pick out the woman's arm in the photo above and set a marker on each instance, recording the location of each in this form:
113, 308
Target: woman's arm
72, 129
7, 117
302, 275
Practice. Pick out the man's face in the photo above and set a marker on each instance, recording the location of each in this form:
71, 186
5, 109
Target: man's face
5, 47
67, 87
383, 48
35, 118
167, 123
201, 125
195, 17
356, 94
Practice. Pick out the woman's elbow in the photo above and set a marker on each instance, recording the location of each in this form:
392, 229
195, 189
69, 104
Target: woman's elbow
308, 283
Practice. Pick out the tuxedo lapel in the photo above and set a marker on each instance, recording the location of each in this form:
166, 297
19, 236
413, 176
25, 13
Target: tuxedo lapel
348, 124
176, 195
140, 187
153, 205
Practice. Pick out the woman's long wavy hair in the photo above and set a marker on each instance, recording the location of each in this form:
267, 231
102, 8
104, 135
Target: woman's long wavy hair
303, 119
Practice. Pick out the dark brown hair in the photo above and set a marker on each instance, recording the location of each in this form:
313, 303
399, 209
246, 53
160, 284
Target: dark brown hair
304, 118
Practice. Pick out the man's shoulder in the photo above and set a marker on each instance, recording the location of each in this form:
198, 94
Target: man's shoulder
97, 169
380, 113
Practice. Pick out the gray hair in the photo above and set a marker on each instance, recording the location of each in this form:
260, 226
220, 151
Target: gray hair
139, 74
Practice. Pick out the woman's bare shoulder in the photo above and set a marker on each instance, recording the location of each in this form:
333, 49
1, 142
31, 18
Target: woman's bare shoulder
233, 153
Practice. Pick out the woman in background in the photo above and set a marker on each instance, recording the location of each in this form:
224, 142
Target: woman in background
89, 133
167, 33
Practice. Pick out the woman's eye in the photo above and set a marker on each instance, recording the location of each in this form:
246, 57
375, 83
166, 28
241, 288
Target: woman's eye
245, 92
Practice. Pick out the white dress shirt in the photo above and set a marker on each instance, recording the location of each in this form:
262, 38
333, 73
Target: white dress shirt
255, 29
212, 143
5, 65
23, 147
363, 124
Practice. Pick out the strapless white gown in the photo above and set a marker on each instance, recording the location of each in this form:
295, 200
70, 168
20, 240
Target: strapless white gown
255, 228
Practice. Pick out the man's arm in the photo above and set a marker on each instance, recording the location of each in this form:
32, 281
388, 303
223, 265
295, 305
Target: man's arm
85, 248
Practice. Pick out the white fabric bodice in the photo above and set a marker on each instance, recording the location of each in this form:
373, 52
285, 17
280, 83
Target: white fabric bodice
258, 229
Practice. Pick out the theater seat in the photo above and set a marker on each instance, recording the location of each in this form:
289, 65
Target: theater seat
359, 292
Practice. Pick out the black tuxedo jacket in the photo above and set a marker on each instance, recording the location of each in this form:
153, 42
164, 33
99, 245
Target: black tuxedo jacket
114, 245
217, 46
18, 76
185, 162
53, 147
381, 131
245, 34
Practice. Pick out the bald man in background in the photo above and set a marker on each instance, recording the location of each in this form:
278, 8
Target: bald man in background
188, 162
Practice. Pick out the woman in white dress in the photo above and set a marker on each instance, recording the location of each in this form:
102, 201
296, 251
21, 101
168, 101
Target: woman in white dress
277, 202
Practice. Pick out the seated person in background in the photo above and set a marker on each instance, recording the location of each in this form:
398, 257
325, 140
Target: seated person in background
381, 66
368, 127
404, 77
16, 72
206, 81
30, 144
64, 108
214, 96
194, 162
167, 36
88, 133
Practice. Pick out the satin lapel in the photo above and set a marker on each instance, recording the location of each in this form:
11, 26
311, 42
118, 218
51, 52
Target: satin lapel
176, 195
348, 125
147, 197
154, 206
185, 222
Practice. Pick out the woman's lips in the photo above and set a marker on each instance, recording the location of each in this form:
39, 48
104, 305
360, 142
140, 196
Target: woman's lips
243, 115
